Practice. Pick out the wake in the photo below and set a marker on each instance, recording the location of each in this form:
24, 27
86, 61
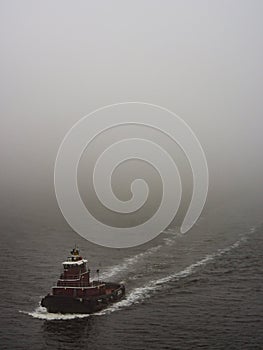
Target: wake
115, 270
139, 294
128, 262
42, 314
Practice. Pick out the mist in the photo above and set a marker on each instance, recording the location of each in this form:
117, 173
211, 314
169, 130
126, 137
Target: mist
61, 60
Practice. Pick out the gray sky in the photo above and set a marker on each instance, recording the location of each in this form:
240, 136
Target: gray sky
61, 60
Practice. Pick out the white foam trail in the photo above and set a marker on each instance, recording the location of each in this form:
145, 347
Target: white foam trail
252, 230
168, 241
172, 231
140, 293
42, 314
128, 262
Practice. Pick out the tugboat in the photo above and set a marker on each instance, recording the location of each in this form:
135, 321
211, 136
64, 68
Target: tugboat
76, 293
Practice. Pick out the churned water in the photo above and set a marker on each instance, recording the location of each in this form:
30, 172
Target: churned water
198, 290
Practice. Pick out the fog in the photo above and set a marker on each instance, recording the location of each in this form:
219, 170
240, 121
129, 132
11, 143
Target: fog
60, 60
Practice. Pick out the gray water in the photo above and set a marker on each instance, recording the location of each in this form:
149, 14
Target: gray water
198, 290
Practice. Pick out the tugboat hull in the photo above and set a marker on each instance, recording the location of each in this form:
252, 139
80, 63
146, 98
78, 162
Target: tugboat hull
67, 304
